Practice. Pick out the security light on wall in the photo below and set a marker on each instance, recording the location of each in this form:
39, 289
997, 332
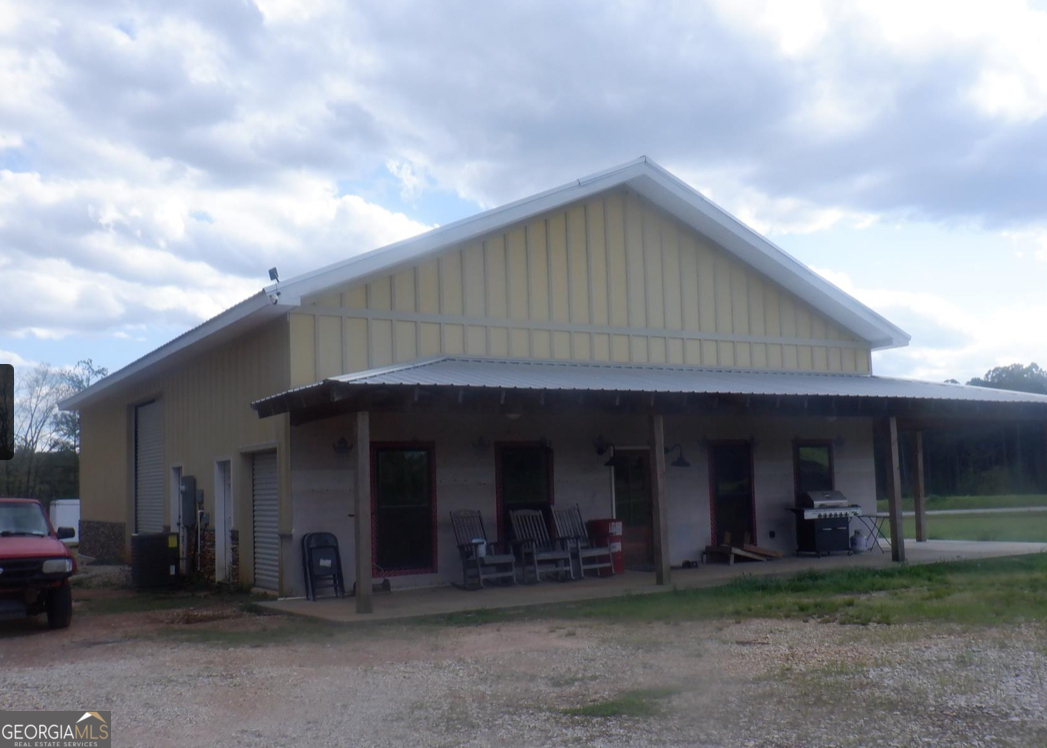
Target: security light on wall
680, 461
342, 447
601, 446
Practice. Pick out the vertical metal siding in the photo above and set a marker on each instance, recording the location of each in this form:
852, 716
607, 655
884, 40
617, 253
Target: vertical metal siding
265, 501
615, 260
149, 467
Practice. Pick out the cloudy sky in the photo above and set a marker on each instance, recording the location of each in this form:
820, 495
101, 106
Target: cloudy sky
157, 158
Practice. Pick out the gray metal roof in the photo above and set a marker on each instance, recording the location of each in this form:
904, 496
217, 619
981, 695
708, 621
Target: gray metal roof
505, 374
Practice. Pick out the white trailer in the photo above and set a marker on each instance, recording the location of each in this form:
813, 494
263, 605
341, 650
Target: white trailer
66, 513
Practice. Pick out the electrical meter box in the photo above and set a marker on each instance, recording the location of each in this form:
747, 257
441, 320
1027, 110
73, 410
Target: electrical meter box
188, 496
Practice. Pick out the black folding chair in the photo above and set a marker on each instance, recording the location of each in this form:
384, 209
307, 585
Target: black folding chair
323, 564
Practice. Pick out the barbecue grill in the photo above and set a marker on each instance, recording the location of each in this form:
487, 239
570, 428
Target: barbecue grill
823, 521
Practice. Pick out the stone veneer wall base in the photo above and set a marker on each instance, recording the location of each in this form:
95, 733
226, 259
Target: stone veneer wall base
103, 541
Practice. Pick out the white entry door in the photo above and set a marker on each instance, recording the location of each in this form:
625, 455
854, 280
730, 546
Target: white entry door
223, 511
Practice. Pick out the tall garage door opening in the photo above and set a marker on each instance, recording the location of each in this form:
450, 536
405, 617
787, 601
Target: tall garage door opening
149, 467
266, 510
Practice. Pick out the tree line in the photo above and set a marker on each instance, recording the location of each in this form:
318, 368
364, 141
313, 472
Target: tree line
979, 460
46, 445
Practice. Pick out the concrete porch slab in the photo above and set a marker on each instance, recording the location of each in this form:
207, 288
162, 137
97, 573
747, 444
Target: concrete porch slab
443, 600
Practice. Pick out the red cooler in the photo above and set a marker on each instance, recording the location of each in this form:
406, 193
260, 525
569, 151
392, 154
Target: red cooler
608, 533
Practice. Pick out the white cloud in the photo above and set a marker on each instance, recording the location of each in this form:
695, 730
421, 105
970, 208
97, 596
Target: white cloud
10, 357
949, 341
111, 253
768, 214
156, 158
1030, 243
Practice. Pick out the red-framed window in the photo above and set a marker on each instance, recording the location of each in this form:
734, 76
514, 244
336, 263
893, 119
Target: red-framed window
403, 508
523, 480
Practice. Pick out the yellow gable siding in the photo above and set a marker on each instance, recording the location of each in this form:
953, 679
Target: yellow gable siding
611, 279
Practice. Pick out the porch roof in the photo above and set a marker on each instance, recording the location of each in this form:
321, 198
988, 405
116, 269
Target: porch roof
569, 376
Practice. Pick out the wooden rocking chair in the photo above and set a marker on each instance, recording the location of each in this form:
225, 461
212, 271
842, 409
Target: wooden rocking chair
537, 550
571, 529
481, 560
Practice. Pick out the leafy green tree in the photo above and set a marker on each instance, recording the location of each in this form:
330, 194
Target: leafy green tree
1029, 378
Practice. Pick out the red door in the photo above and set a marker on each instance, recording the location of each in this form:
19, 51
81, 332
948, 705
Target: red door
632, 504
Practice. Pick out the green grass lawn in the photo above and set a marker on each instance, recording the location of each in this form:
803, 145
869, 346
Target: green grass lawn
972, 502
966, 592
982, 592
1029, 527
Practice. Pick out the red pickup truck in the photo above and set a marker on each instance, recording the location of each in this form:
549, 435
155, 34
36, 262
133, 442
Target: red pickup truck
35, 564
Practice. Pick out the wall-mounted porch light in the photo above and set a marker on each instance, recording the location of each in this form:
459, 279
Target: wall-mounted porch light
601, 446
680, 461
342, 447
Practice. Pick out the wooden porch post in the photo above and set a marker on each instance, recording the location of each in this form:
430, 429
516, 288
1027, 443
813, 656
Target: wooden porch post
658, 508
362, 501
894, 491
920, 495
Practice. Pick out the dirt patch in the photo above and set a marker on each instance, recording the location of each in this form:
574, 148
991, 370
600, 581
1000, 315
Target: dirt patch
228, 677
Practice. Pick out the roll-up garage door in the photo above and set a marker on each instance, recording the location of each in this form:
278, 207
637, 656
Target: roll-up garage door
266, 504
149, 467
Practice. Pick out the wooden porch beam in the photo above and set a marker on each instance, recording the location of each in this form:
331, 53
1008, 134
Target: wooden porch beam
920, 500
658, 504
362, 501
894, 491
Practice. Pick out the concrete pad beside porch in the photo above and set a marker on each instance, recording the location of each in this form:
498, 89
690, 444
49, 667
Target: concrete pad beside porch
445, 599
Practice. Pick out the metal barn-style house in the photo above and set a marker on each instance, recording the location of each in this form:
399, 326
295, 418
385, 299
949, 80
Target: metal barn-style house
619, 344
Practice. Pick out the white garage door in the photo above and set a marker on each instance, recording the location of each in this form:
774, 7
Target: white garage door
149, 467
266, 503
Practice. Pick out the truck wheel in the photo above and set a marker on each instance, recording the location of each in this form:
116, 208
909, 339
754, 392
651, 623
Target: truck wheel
60, 607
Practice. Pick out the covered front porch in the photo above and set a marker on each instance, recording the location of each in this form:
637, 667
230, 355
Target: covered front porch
446, 600
380, 459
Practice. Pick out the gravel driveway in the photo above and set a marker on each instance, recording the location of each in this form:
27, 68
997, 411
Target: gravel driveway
755, 683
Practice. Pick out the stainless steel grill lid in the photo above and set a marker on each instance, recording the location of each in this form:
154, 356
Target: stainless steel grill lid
823, 499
